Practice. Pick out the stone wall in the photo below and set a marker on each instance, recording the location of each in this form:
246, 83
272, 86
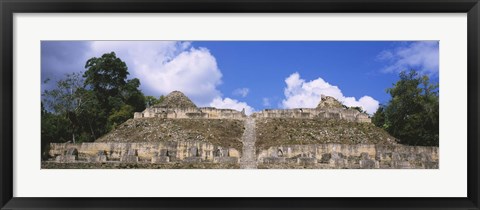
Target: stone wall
350, 115
162, 152
351, 156
333, 156
190, 113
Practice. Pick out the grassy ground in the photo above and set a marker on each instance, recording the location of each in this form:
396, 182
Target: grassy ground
277, 131
222, 132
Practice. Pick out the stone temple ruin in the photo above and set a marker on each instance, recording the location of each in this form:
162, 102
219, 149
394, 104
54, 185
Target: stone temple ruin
162, 152
151, 149
328, 108
177, 106
351, 156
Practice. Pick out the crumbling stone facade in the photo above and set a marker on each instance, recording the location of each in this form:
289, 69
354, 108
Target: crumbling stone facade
190, 113
350, 115
328, 108
178, 106
161, 152
351, 156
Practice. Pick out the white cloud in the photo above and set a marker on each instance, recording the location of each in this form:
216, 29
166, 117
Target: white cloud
266, 102
302, 94
241, 92
228, 103
422, 56
165, 66
367, 103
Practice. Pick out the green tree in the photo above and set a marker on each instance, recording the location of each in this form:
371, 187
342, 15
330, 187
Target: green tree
378, 117
67, 101
150, 100
119, 116
54, 128
118, 98
132, 95
106, 76
412, 114
81, 109
92, 117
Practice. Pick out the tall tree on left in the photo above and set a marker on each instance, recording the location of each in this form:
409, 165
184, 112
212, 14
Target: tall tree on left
67, 101
118, 97
106, 76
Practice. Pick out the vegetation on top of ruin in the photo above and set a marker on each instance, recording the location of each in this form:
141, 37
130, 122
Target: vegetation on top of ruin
280, 131
176, 99
221, 132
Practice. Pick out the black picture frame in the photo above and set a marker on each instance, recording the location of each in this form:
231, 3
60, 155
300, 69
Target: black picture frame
10, 7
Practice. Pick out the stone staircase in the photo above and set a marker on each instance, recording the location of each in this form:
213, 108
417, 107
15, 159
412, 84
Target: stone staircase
248, 160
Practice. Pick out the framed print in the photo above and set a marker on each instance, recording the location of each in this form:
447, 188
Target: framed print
239, 105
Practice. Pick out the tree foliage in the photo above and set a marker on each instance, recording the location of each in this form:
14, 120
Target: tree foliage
106, 76
67, 100
378, 117
82, 108
150, 100
412, 114
117, 97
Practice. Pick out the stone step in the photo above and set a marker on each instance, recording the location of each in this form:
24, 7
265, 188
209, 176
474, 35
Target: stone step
248, 160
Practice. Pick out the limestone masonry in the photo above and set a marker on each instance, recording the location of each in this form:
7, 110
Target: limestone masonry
162, 152
350, 156
177, 106
328, 108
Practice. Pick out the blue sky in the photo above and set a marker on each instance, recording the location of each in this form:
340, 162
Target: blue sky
256, 75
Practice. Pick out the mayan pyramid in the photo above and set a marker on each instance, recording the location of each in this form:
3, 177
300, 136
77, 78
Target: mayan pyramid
176, 99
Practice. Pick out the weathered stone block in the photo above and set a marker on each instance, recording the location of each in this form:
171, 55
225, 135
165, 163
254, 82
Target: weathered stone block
225, 160
273, 160
72, 151
430, 165
99, 159
66, 158
369, 164
193, 159
401, 164
233, 153
132, 152
338, 163
129, 159
292, 160
160, 159
306, 161
326, 158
